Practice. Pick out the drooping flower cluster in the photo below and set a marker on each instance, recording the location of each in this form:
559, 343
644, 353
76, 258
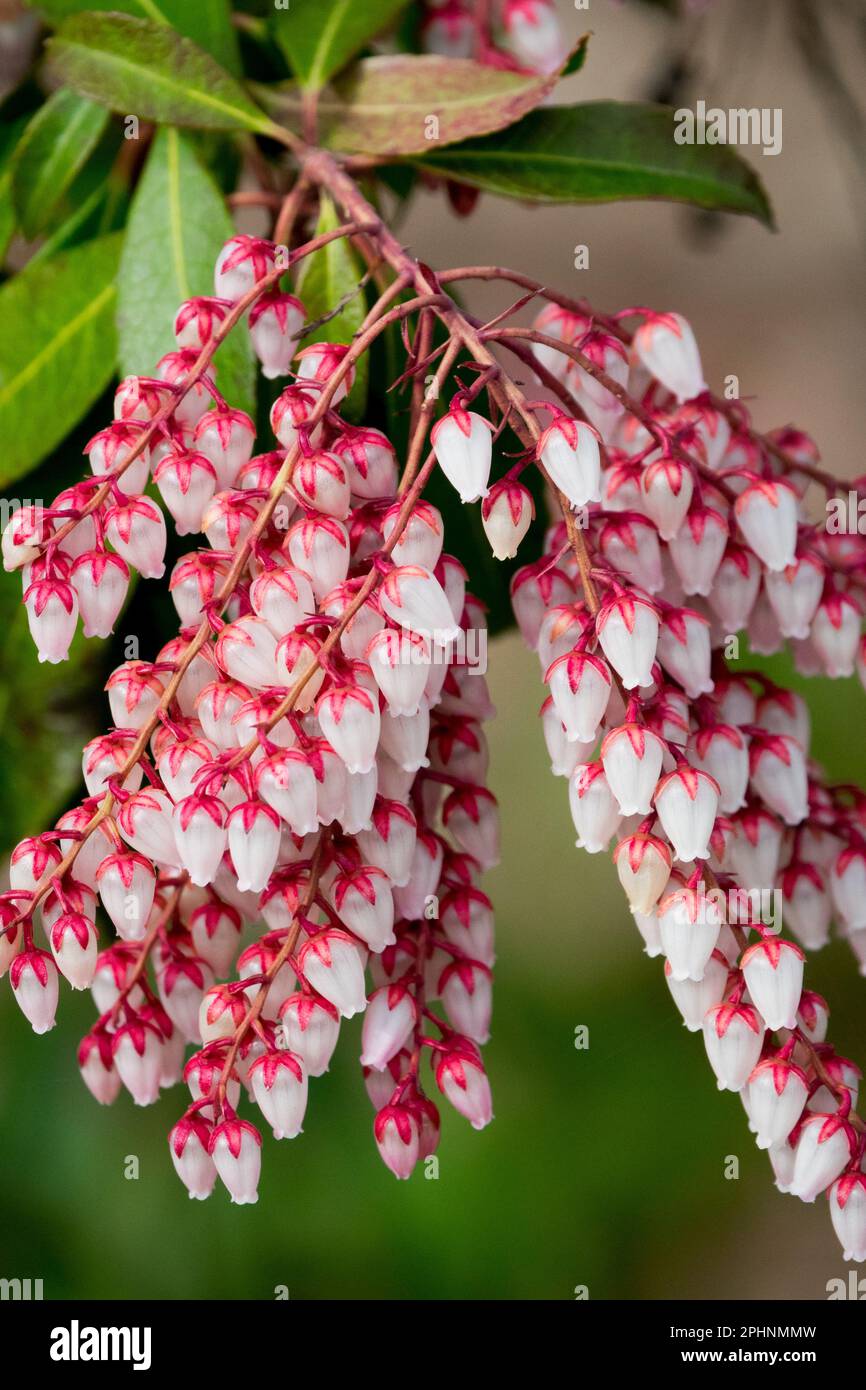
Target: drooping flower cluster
305, 756
697, 769
307, 752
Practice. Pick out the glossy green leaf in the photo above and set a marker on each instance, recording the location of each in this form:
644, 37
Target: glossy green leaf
10, 134
319, 37
145, 69
207, 22
407, 104
603, 151
328, 277
55, 146
57, 349
177, 224
47, 713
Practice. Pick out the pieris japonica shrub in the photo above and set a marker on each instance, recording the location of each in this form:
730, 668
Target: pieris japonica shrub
286, 821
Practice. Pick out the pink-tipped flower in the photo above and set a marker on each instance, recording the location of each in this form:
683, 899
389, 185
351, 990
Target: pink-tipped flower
594, 808
400, 662
631, 756
370, 461
777, 1092
848, 1214
471, 817
462, 444
287, 782
397, 1133
330, 963
795, 593
290, 413
412, 597
319, 364
643, 863
580, 684
126, 884
136, 529
198, 319
241, 264
246, 651
779, 775
825, 1146
254, 844
186, 482
687, 802
388, 1024
200, 835
465, 990
364, 903
188, 1144
698, 547
461, 1078
35, 984
689, 926
694, 998
506, 515
97, 1068
773, 971
733, 1035
349, 718
569, 453
236, 1149
389, 843
137, 1051
24, 534
110, 452
721, 751
52, 615
275, 323
767, 516
75, 946
310, 1029
530, 31
667, 486
666, 346
684, 650
279, 1085
628, 630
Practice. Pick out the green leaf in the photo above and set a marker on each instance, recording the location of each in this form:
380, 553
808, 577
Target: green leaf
319, 37
177, 224
56, 144
57, 350
207, 22
144, 69
603, 151
407, 104
46, 714
10, 134
327, 277
577, 57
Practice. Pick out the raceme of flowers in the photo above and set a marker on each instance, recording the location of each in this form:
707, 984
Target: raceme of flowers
308, 753
314, 763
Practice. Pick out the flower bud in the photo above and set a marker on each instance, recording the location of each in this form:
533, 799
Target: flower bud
462, 444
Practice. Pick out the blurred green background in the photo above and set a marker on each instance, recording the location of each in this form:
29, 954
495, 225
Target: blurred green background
605, 1167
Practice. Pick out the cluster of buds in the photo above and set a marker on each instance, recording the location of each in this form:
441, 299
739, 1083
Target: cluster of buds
307, 752
683, 531
287, 823
521, 34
